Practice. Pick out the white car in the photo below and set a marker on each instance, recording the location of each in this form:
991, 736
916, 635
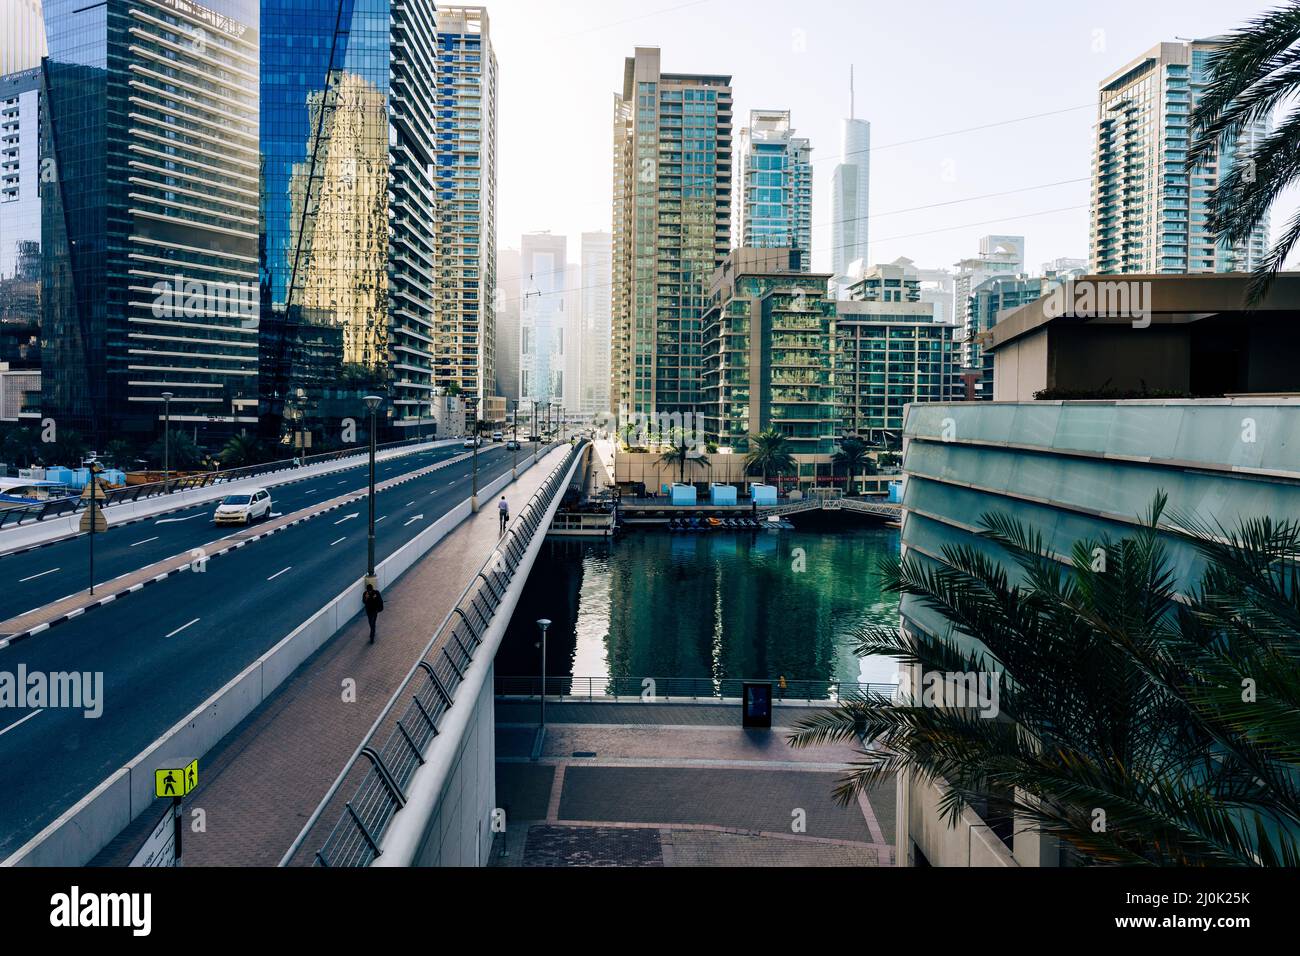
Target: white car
473, 443
243, 508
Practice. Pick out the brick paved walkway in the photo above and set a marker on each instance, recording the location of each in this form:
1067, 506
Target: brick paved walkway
263, 781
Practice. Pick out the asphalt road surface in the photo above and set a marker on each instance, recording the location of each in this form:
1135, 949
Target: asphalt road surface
167, 648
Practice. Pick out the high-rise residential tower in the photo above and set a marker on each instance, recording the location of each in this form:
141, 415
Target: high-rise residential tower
22, 36
348, 211
508, 300
542, 339
149, 216
998, 256
672, 228
595, 298
773, 201
20, 219
851, 191
1148, 212
467, 189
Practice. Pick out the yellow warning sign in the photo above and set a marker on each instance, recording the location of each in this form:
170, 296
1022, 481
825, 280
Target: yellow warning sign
176, 781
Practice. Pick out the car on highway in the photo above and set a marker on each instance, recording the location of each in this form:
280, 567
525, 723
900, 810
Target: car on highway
243, 508
498, 436
512, 445
472, 443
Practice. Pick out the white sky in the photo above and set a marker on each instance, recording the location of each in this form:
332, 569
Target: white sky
923, 68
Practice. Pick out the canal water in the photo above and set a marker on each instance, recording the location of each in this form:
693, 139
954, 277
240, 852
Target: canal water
714, 605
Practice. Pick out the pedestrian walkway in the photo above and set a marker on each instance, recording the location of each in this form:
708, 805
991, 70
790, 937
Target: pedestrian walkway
259, 786
696, 793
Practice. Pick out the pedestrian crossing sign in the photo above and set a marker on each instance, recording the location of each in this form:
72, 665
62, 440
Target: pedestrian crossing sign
176, 781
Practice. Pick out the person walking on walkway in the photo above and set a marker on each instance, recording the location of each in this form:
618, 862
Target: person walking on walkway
373, 602
503, 511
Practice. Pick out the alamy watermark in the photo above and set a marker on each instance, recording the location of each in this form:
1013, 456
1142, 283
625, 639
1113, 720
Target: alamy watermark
55, 690
1111, 298
968, 690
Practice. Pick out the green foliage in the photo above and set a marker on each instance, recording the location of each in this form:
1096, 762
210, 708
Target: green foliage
1175, 716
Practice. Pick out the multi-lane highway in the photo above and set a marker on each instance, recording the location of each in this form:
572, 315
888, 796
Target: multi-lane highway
165, 649
34, 578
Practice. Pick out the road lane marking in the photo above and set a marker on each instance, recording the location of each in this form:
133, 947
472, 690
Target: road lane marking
344, 538
311, 491
23, 720
411, 520
35, 576
380, 518
408, 504
181, 628
174, 520
355, 514
146, 540
278, 573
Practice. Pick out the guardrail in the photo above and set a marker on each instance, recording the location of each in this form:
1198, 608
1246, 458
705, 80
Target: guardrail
430, 689
18, 514
659, 689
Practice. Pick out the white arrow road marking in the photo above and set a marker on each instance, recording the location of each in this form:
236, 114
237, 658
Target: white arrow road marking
35, 576
409, 520
355, 514
174, 520
344, 538
181, 628
146, 540
278, 573
23, 720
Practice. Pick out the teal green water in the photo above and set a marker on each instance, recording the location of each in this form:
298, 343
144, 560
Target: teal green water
714, 605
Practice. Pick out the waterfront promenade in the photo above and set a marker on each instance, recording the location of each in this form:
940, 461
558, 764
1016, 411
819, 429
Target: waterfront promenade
677, 785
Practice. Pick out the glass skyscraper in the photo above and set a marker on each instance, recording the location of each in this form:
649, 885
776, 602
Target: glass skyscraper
1149, 212
774, 186
672, 228
348, 253
149, 172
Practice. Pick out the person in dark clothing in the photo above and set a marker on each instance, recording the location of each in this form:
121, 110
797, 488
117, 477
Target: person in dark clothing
503, 509
373, 602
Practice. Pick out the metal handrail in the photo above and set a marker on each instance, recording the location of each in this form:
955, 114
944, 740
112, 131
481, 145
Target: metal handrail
657, 689
429, 689
55, 508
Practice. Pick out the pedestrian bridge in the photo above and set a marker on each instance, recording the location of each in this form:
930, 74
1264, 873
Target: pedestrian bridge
419, 790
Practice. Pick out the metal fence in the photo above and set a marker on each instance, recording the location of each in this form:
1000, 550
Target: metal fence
429, 691
658, 689
19, 514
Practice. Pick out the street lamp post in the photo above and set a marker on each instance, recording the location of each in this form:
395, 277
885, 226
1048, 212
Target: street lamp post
543, 623
372, 405
472, 403
167, 439
514, 439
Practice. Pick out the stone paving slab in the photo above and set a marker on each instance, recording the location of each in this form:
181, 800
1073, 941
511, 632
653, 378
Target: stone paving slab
713, 848
260, 785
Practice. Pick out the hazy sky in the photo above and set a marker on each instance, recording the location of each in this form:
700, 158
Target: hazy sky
924, 69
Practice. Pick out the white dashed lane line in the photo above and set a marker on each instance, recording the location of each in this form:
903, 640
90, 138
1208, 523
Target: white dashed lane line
280, 572
33, 577
146, 541
181, 628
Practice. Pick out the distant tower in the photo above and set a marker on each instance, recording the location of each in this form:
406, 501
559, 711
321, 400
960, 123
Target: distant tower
850, 191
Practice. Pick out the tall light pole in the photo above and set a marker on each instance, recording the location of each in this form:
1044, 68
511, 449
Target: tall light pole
372, 405
543, 623
536, 436
167, 439
472, 402
515, 437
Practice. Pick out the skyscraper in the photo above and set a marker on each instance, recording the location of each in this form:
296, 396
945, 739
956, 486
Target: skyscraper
672, 228
851, 191
595, 296
22, 36
508, 300
773, 203
542, 337
467, 189
348, 255
998, 256
1148, 213
20, 219
149, 216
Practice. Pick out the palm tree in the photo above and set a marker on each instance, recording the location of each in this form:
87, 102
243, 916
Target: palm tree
1121, 700
118, 453
242, 449
1253, 75
184, 453
853, 457
680, 455
769, 451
